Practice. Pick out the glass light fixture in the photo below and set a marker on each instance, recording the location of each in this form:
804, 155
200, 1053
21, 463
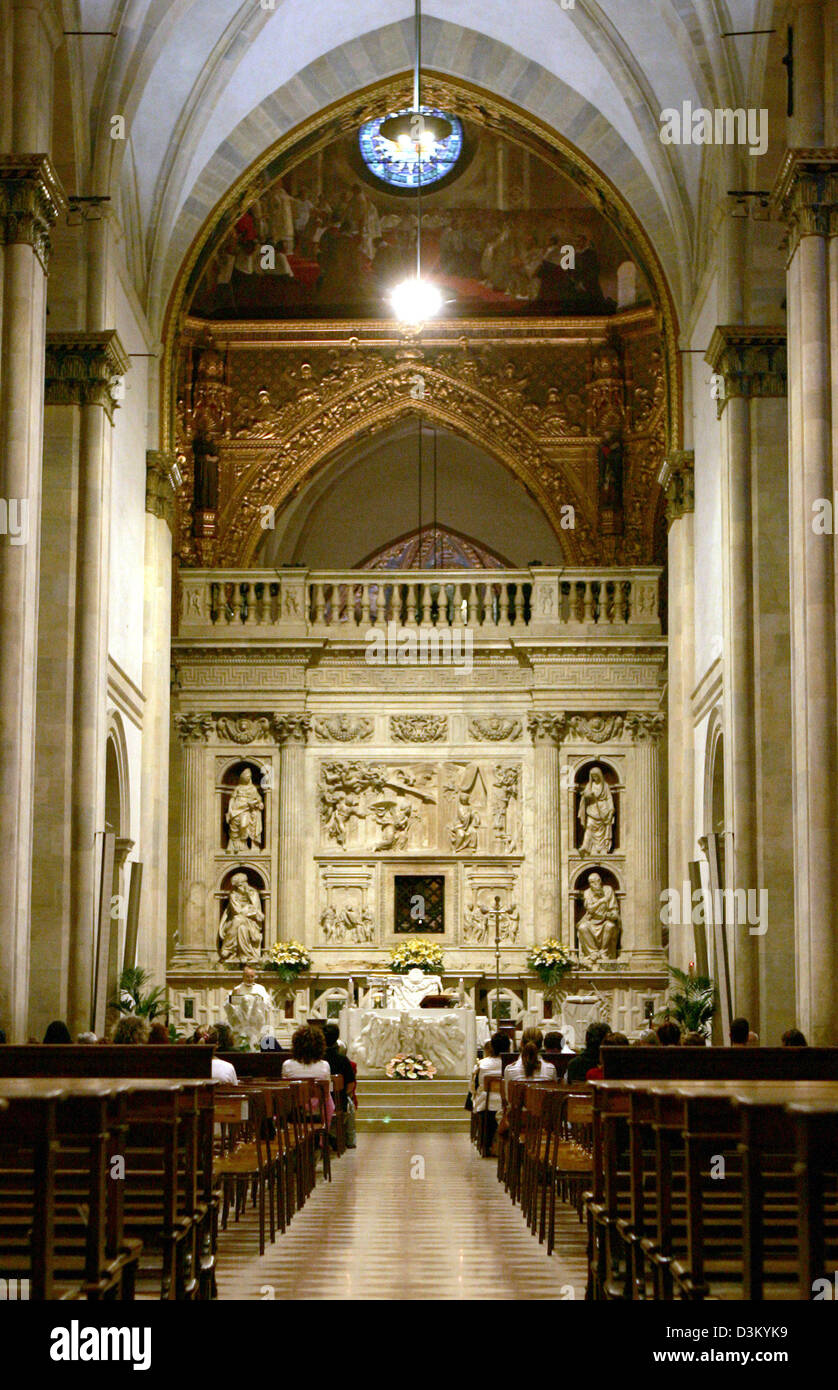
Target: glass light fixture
416, 300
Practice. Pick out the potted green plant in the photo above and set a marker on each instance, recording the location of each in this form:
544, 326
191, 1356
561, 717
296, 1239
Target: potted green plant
693, 1000
132, 1000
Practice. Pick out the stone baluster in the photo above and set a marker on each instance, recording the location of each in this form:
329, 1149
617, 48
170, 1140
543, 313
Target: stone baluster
292, 731
646, 731
547, 730
195, 933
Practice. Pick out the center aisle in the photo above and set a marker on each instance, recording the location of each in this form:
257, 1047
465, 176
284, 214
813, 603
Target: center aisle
376, 1232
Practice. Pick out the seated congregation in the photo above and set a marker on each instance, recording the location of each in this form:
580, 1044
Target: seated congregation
698, 1172
197, 1133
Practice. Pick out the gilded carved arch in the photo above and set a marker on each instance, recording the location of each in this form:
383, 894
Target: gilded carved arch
382, 400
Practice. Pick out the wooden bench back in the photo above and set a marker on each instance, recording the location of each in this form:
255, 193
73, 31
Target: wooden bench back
106, 1059
720, 1063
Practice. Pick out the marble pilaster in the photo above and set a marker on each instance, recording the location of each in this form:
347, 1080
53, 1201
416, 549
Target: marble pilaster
547, 731
157, 611
194, 731
677, 480
646, 732
291, 732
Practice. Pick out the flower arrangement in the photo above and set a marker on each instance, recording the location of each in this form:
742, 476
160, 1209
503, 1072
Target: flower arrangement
410, 1068
288, 959
416, 954
551, 961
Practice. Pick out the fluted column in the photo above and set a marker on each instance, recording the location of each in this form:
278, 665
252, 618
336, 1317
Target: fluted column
292, 731
82, 369
806, 194
194, 731
646, 732
157, 610
677, 480
547, 731
30, 201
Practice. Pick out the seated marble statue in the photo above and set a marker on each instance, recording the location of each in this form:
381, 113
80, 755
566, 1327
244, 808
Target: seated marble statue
240, 931
599, 929
408, 991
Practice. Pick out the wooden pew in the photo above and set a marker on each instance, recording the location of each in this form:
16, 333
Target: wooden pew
816, 1171
172, 1136
632, 1122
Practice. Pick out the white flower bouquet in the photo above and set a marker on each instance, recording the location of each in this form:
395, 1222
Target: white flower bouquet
288, 959
405, 1067
416, 954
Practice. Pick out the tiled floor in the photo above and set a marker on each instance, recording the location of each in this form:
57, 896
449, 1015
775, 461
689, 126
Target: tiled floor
406, 1216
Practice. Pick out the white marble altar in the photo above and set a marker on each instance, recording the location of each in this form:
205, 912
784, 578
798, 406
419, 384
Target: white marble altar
374, 1036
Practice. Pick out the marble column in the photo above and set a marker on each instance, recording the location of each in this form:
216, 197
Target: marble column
194, 932
677, 480
82, 370
752, 362
547, 731
646, 731
292, 731
157, 614
806, 195
30, 202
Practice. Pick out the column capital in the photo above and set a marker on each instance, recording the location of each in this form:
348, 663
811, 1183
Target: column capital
82, 369
645, 728
752, 361
545, 728
159, 488
292, 728
677, 478
194, 728
805, 194
31, 199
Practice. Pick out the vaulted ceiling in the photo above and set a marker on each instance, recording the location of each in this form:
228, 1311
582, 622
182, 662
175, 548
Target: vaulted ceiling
207, 86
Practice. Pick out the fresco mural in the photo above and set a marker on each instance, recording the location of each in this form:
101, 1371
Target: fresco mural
508, 235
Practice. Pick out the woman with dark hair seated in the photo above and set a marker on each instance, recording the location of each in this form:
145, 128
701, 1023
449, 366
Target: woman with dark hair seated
669, 1034
610, 1040
529, 1066
489, 1065
306, 1063
793, 1038
57, 1032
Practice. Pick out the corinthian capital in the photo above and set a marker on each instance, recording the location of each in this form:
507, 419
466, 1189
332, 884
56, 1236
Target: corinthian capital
31, 199
292, 728
194, 728
805, 194
645, 728
544, 727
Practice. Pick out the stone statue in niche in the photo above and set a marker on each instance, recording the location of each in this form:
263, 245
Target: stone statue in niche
599, 929
244, 816
240, 932
504, 818
596, 815
205, 454
611, 471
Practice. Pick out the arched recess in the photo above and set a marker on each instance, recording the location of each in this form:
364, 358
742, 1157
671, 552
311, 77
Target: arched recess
714, 810
460, 97
361, 510
383, 400
117, 774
